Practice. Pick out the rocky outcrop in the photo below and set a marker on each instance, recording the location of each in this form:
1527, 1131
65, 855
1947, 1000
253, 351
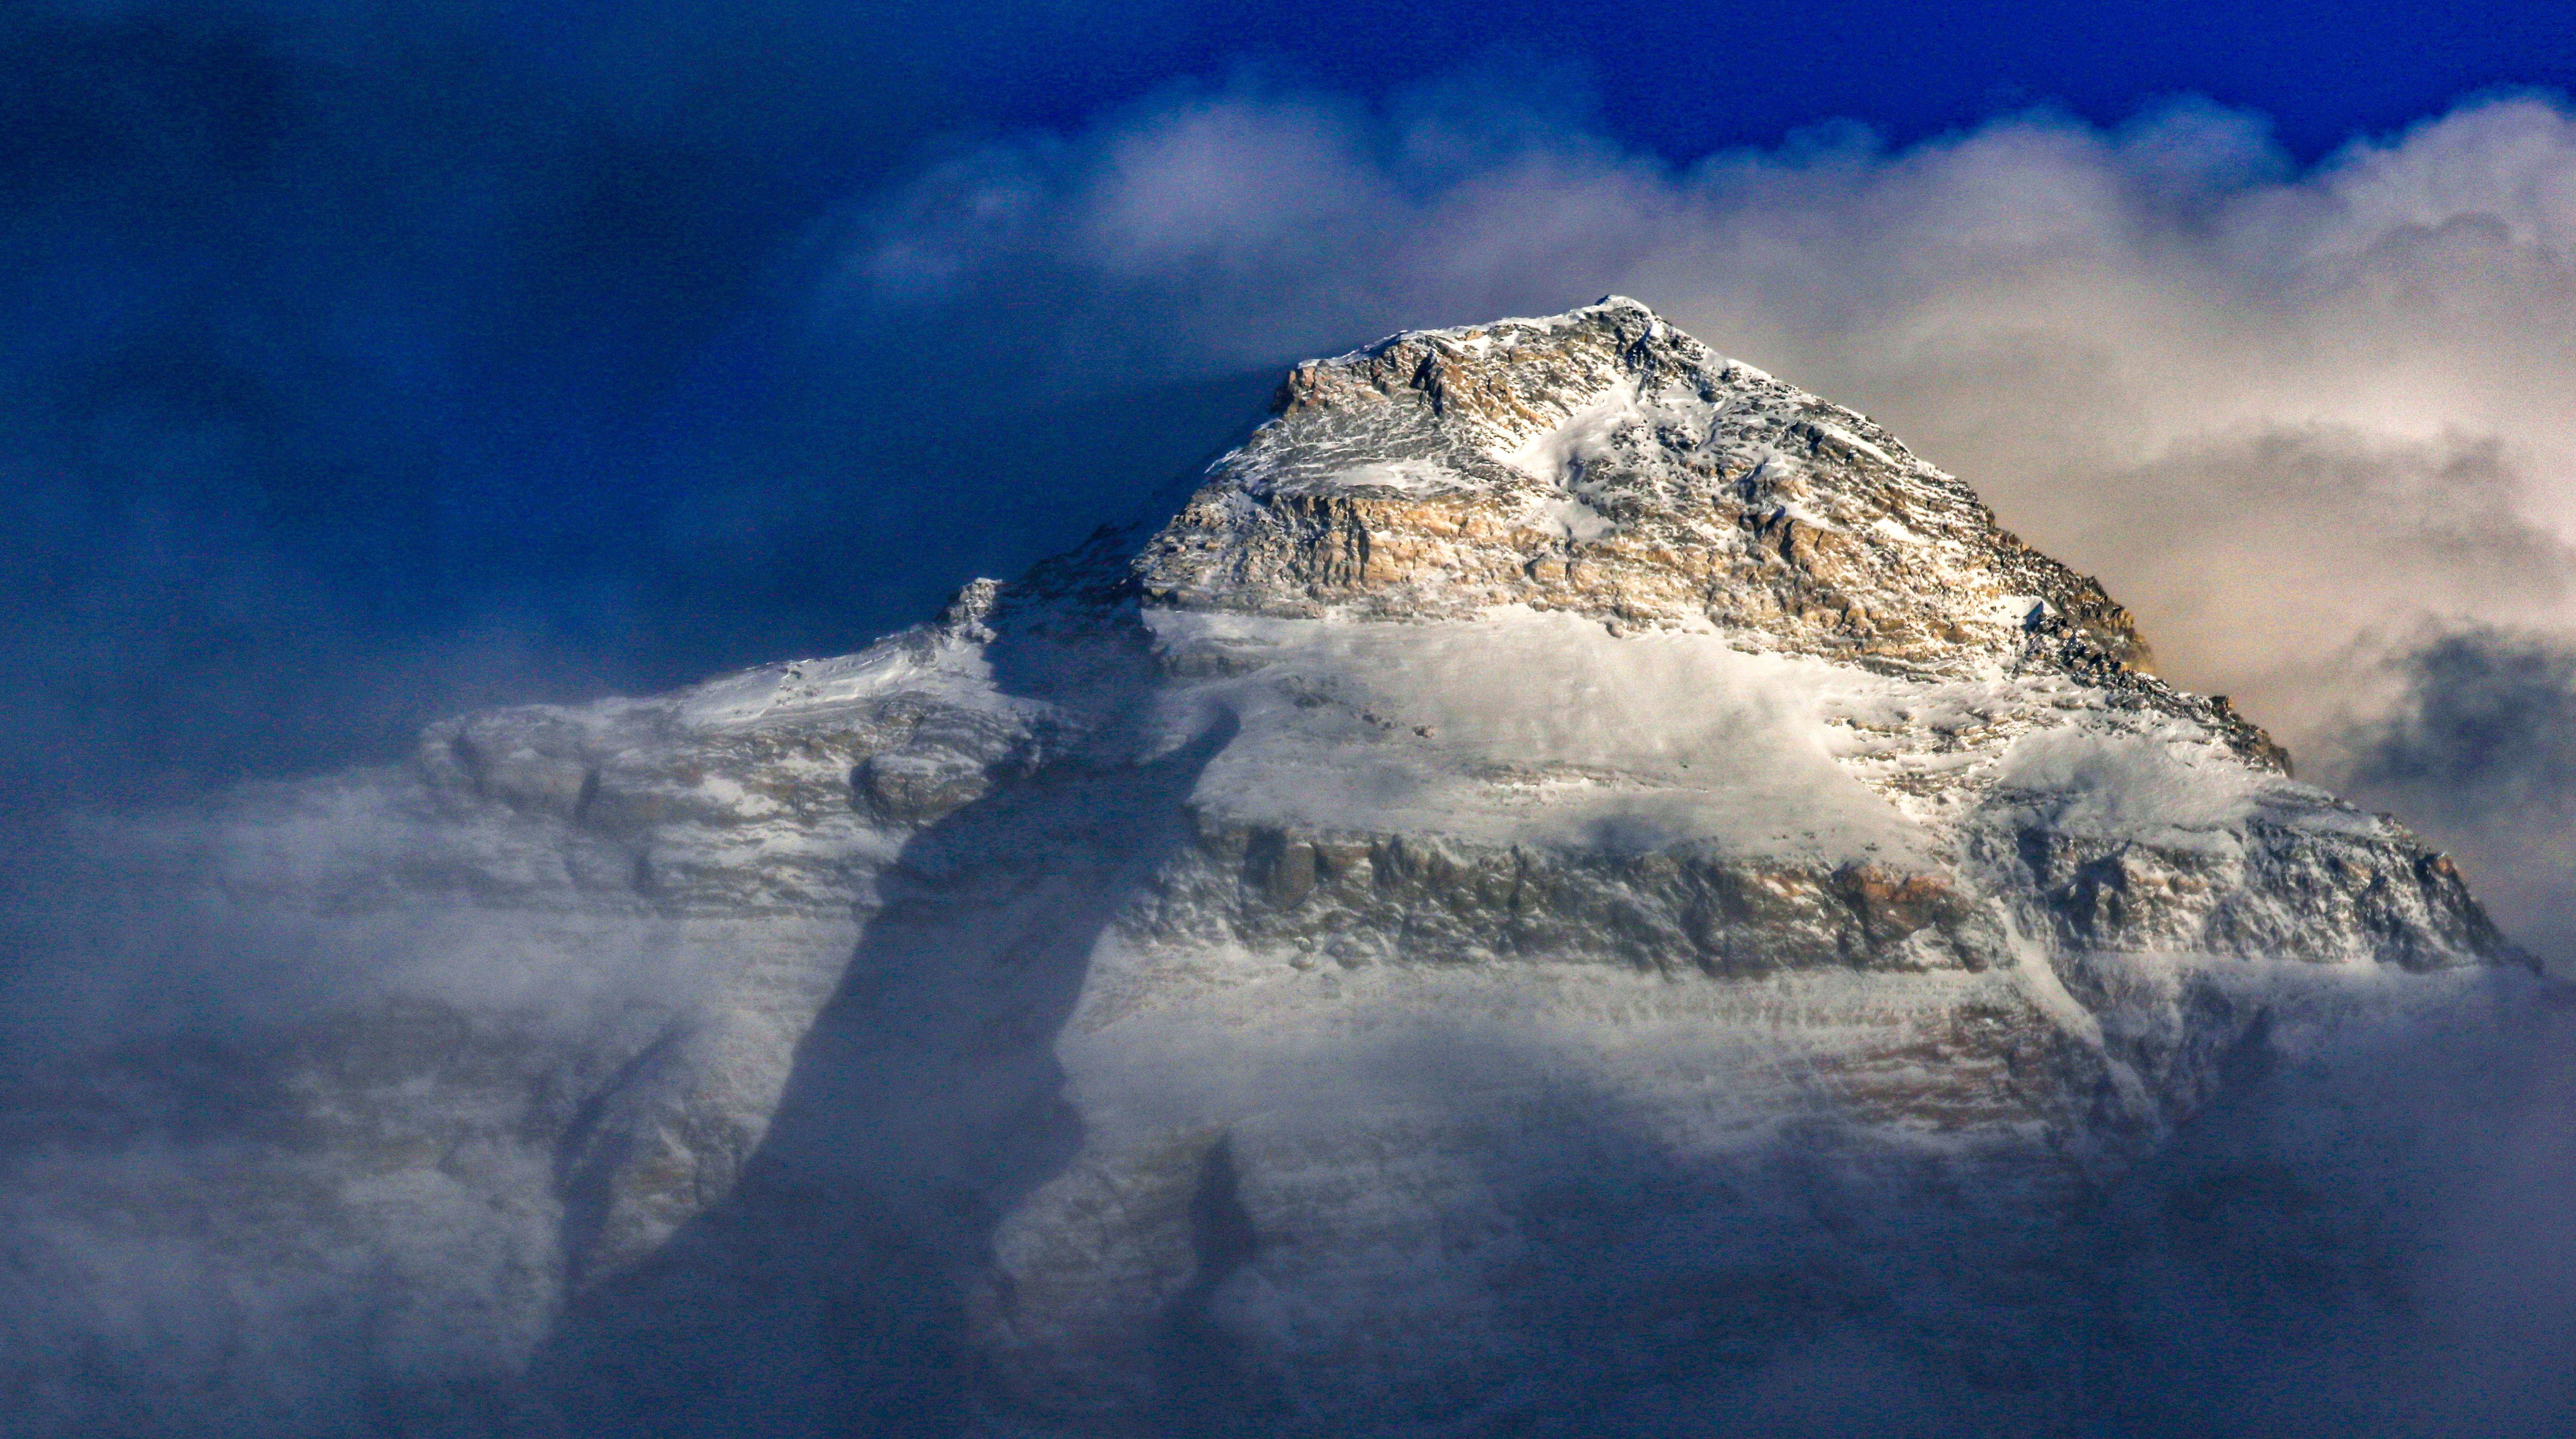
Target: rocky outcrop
1569, 870
1607, 464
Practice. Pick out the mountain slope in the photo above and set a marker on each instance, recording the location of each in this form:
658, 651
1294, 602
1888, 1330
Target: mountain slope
1568, 872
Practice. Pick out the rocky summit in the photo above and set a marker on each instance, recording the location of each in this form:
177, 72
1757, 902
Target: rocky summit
1569, 879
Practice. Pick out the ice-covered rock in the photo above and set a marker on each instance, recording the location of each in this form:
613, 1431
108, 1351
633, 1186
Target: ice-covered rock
1568, 869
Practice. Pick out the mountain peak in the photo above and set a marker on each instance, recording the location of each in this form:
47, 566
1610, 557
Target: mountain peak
1605, 463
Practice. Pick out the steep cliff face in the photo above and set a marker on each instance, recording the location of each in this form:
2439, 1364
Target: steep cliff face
1568, 870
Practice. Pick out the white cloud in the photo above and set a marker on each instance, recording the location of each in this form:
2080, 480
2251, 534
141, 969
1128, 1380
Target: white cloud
2294, 417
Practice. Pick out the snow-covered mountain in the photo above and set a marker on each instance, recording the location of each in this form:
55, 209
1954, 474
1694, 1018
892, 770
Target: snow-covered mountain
1568, 874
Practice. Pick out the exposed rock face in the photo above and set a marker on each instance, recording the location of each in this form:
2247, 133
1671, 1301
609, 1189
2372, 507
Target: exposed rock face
1569, 869
1606, 464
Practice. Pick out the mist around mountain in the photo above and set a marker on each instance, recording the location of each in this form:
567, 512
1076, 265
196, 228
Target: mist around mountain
1565, 886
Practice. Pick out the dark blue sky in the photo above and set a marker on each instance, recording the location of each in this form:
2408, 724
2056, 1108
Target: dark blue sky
362, 362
